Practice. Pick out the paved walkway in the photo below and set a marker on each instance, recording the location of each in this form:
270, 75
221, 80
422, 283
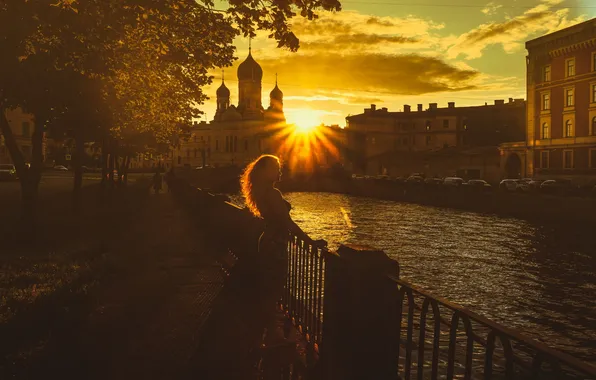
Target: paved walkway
145, 320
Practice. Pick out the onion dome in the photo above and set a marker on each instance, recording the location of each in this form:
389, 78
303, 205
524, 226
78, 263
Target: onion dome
250, 69
223, 91
276, 93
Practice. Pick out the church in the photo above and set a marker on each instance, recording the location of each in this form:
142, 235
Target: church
238, 133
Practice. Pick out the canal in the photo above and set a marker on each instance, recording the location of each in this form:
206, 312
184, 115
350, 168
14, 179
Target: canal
537, 278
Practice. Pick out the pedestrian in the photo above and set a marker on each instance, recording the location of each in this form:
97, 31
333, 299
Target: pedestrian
170, 177
265, 201
157, 182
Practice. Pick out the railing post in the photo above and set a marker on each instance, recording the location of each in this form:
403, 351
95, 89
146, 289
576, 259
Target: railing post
360, 338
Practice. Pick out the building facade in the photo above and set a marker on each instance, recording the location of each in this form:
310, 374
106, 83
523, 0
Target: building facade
435, 141
238, 133
22, 125
561, 118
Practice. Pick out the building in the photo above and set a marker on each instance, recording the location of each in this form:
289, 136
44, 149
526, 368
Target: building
22, 125
435, 141
238, 133
561, 119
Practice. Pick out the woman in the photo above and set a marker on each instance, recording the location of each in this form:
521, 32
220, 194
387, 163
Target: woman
265, 201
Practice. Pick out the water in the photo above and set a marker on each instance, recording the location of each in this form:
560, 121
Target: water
539, 279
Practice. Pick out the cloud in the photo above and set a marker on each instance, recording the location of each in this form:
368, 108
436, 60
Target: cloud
513, 32
353, 30
491, 9
359, 41
370, 72
337, 97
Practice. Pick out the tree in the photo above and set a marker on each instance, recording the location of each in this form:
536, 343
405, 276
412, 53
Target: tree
141, 64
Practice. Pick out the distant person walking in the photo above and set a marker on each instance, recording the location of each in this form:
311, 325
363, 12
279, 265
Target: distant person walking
265, 201
157, 182
170, 177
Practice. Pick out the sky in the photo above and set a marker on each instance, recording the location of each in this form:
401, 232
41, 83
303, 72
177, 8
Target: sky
396, 52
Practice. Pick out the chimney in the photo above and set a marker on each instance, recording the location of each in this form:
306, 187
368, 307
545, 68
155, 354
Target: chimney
384, 109
373, 107
451, 104
407, 108
510, 100
432, 106
419, 107
499, 102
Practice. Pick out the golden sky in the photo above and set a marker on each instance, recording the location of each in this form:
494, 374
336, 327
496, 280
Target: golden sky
396, 52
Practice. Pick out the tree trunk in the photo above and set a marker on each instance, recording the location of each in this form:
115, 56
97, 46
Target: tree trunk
105, 157
28, 187
112, 163
124, 170
78, 169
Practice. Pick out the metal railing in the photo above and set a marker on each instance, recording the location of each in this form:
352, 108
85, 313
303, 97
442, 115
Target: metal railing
302, 300
426, 337
464, 344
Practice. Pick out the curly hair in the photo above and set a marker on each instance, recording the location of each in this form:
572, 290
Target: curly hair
251, 182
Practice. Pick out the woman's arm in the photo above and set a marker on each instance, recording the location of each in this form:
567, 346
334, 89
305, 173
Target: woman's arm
280, 209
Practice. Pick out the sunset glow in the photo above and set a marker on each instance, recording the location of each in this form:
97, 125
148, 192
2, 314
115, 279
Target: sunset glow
305, 120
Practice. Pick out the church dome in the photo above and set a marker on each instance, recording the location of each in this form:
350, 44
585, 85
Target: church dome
223, 91
250, 69
276, 93
231, 114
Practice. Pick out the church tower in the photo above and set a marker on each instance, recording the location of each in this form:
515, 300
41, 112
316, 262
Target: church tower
276, 104
250, 75
223, 99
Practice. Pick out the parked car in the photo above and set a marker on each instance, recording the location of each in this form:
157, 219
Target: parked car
478, 185
535, 184
8, 172
415, 179
453, 181
61, 168
435, 182
557, 186
523, 185
203, 167
508, 184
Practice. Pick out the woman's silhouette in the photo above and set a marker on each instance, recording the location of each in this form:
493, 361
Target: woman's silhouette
265, 201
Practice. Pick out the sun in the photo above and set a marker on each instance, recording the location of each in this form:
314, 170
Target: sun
306, 121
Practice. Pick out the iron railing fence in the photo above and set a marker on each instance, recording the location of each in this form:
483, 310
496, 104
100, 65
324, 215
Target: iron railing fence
433, 338
439, 339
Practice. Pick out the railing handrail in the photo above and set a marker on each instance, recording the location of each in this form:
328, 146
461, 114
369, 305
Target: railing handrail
555, 354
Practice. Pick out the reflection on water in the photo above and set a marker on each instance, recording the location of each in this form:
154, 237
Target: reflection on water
539, 279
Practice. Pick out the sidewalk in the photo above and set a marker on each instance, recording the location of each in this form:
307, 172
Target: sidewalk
144, 320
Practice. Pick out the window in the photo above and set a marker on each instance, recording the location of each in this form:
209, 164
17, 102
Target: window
374, 141
546, 74
428, 140
569, 97
235, 143
568, 159
405, 141
593, 126
428, 125
26, 129
227, 144
570, 63
195, 136
195, 152
568, 128
594, 93
593, 158
545, 134
544, 156
26, 149
188, 153
465, 125
217, 145
445, 123
413, 126
594, 61
545, 102
413, 140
